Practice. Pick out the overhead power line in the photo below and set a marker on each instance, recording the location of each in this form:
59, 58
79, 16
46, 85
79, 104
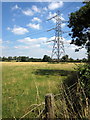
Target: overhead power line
58, 45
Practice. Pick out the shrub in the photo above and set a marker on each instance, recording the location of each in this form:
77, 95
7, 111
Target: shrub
77, 88
84, 76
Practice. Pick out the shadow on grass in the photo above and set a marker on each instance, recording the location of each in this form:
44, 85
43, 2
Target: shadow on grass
53, 72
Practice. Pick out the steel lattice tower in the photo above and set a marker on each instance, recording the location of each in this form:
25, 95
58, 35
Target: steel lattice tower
58, 45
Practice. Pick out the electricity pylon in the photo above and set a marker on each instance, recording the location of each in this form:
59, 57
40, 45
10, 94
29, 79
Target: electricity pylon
58, 45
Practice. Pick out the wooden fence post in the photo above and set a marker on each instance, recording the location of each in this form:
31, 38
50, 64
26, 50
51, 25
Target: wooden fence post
49, 106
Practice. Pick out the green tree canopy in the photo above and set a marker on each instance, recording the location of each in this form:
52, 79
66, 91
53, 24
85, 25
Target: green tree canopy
64, 58
79, 22
46, 59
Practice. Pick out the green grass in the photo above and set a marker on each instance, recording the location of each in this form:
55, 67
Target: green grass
21, 80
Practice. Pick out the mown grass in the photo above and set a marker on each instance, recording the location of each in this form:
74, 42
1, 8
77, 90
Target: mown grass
21, 80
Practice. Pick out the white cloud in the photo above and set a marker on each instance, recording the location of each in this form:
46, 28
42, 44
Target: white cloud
15, 7
61, 17
29, 40
51, 15
26, 40
7, 42
28, 12
21, 47
36, 9
42, 39
13, 19
52, 38
71, 52
36, 19
0, 41
8, 28
27, 46
63, 25
45, 8
55, 5
29, 43
73, 47
69, 49
2, 46
34, 26
18, 30
54, 14
36, 45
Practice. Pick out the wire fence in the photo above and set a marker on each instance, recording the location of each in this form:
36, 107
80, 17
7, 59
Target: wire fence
70, 103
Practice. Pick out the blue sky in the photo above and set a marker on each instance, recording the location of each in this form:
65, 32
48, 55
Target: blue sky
25, 25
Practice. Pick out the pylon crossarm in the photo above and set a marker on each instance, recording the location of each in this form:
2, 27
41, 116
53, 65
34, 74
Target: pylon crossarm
52, 17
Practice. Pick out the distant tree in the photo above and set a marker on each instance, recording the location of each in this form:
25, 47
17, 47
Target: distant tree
79, 22
24, 59
18, 59
77, 60
10, 58
64, 58
33, 60
46, 59
71, 59
4, 58
15, 58
84, 60
37, 60
0, 58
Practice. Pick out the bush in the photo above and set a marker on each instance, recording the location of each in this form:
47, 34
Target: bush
77, 88
84, 76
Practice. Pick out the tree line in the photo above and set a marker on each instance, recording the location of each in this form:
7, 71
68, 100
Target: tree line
45, 58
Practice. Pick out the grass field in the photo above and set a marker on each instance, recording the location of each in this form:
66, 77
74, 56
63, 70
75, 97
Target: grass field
24, 84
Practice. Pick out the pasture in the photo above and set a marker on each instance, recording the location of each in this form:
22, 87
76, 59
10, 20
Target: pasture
26, 83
